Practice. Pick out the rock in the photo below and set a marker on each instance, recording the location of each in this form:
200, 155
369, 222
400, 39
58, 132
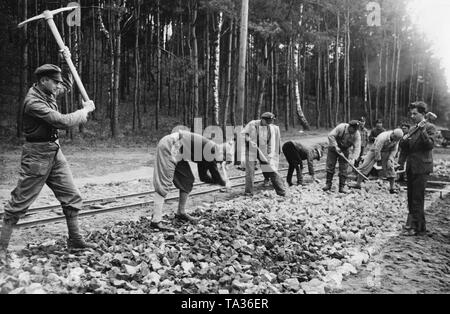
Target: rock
292, 284
246, 277
74, 278
314, 286
334, 280
167, 283
35, 288
346, 269
156, 265
332, 264
152, 278
358, 259
20, 290
131, 270
187, 267
241, 285
24, 278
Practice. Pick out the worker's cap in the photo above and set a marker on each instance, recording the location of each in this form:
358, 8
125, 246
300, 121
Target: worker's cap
420, 106
354, 123
379, 121
268, 116
362, 120
398, 133
49, 70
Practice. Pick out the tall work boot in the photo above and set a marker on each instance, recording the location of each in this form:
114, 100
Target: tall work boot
75, 240
392, 188
181, 215
329, 183
342, 187
5, 237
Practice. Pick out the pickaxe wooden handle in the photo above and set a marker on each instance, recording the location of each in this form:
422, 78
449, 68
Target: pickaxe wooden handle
48, 16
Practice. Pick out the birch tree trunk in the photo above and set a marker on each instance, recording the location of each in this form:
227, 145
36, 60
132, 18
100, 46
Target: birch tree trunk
216, 108
300, 114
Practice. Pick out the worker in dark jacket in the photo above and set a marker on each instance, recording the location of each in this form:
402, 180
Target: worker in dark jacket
295, 153
417, 150
42, 159
376, 131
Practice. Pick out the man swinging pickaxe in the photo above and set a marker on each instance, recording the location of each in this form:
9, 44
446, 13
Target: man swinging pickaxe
48, 16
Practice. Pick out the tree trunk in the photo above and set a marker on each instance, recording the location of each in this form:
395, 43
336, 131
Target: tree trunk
194, 59
23, 70
380, 82
297, 71
288, 78
136, 113
116, 86
242, 62
396, 99
229, 68
158, 66
216, 108
262, 86
337, 81
207, 71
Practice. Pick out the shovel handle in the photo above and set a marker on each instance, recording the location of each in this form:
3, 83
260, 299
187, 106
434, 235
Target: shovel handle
354, 168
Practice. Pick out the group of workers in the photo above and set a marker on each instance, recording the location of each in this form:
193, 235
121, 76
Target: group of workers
43, 162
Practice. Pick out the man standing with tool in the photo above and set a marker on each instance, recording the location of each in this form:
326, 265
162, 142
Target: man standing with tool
263, 143
384, 149
295, 152
42, 159
341, 139
417, 150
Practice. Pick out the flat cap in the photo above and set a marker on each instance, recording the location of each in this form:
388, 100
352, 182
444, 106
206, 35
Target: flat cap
268, 115
50, 70
354, 123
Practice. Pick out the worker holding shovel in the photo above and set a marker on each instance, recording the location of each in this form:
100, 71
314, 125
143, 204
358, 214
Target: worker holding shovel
341, 140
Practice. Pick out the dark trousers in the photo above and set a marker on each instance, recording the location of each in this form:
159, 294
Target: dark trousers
213, 177
333, 158
295, 162
416, 201
43, 163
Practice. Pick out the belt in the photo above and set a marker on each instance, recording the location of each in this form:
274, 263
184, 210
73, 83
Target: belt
40, 140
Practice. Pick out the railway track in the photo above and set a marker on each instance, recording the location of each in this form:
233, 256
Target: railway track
131, 201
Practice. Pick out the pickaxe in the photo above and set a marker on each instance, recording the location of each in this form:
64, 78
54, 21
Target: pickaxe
48, 16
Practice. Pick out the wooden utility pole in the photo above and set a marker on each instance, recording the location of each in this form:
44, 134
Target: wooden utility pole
242, 59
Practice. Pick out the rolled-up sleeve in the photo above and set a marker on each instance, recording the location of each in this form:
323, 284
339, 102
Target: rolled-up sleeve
332, 137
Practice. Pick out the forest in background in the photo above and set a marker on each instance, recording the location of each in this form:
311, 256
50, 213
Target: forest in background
150, 65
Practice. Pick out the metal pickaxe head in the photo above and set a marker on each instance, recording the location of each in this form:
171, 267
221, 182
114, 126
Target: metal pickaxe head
46, 15
430, 116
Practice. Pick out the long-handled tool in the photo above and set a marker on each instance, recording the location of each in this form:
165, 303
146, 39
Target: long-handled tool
354, 168
48, 16
429, 116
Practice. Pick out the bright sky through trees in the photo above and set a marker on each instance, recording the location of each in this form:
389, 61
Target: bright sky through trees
433, 18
